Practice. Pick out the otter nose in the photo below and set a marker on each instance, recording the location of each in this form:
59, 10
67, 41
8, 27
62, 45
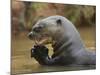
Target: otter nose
30, 35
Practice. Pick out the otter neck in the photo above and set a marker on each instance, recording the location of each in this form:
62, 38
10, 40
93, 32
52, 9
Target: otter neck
58, 35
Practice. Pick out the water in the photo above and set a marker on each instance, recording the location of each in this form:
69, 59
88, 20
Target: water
23, 63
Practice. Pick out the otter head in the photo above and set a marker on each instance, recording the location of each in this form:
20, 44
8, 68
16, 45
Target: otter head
47, 27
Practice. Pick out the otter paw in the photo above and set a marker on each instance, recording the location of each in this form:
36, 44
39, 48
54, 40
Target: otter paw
39, 51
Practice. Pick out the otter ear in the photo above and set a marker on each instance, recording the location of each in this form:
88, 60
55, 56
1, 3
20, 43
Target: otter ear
59, 22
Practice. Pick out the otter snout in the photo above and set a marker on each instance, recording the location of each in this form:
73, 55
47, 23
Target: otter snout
30, 35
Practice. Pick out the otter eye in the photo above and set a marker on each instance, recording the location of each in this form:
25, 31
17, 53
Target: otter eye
59, 21
38, 29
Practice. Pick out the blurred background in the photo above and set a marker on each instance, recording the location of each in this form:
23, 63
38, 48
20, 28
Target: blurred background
25, 14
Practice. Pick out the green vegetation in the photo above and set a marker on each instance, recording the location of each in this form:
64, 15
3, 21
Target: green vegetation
28, 13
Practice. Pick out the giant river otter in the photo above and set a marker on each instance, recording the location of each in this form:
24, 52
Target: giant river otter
68, 47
